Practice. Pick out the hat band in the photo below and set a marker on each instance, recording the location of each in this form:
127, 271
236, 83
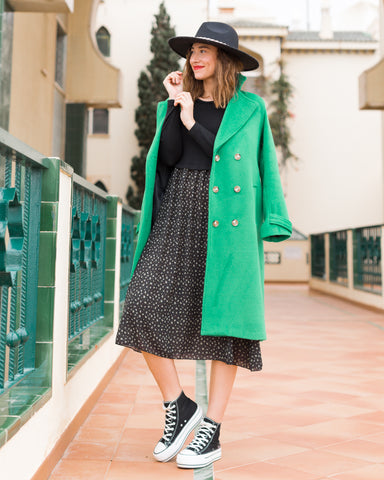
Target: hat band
213, 40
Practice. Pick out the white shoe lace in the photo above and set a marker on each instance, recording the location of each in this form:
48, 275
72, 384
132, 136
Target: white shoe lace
170, 421
203, 436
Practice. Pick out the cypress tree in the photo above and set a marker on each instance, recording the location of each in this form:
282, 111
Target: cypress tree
282, 91
151, 91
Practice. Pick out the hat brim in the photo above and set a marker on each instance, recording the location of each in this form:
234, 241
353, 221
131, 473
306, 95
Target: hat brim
181, 45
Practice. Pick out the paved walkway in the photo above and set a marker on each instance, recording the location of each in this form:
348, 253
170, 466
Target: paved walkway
315, 412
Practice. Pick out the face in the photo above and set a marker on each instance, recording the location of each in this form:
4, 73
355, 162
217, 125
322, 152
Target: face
203, 60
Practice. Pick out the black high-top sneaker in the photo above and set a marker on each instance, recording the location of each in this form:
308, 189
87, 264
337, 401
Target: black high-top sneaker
181, 417
204, 448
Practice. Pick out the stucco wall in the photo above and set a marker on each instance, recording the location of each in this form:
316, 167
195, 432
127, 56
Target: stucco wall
33, 78
338, 181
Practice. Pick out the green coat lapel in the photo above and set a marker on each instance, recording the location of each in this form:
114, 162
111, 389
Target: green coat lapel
237, 113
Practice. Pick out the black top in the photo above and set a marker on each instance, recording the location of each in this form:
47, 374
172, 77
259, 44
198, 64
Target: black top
192, 148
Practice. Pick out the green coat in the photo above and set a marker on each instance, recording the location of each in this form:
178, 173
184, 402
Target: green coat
238, 221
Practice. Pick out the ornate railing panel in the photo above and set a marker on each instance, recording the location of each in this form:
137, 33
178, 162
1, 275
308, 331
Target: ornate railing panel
318, 256
338, 271
127, 251
367, 259
20, 204
87, 270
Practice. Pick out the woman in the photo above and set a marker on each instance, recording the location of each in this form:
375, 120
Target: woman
212, 195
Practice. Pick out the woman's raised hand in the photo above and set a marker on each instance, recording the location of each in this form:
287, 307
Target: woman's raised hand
185, 101
173, 83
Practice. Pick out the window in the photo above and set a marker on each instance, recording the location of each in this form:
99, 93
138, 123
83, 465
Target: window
100, 120
61, 44
103, 38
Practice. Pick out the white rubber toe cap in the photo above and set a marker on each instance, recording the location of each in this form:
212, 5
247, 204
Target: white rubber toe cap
188, 453
160, 447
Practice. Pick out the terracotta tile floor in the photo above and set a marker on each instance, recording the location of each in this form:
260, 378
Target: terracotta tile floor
315, 412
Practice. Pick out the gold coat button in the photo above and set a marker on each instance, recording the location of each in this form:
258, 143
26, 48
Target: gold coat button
217, 158
237, 189
235, 223
215, 223
215, 189
237, 156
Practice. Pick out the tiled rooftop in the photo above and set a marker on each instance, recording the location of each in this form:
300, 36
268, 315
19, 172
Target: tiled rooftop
247, 23
315, 412
307, 35
345, 36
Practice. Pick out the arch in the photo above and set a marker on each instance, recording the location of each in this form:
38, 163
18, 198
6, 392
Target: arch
103, 39
255, 82
256, 55
100, 184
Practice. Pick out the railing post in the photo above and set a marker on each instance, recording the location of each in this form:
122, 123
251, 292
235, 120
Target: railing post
47, 266
327, 256
112, 261
382, 262
350, 262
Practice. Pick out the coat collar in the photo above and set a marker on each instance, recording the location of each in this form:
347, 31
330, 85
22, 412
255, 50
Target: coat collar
237, 113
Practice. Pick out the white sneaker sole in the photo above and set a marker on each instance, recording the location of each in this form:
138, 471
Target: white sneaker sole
177, 445
198, 461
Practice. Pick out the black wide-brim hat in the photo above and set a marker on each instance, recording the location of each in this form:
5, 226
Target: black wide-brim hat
218, 34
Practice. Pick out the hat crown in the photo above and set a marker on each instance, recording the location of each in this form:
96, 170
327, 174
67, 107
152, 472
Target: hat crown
220, 32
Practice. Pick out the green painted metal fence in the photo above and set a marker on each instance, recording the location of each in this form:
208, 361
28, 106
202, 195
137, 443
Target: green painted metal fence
127, 250
86, 324
318, 256
20, 200
338, 270
367, 259
29, 264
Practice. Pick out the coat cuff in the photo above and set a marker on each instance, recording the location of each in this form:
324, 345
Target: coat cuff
276, 228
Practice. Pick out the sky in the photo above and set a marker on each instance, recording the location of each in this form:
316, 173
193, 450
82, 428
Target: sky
286, 11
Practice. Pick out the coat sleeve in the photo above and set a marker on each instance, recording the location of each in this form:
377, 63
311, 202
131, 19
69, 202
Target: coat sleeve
276, 225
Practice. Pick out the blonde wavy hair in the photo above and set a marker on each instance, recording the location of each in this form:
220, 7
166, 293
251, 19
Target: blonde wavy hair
226, 74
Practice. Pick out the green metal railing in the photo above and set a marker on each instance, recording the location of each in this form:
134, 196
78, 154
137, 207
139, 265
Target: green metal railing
127, 251
87, 269
338, 271
318, 256
367, 259
30, 206
20, 204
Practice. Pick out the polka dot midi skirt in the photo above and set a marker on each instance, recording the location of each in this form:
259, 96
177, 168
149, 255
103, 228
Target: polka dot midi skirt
163, 306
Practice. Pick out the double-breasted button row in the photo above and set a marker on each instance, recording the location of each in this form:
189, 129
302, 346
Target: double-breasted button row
237, 157
237, 189
235, 223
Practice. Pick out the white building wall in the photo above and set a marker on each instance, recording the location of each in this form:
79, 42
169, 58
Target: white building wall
269, 49
338, 181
